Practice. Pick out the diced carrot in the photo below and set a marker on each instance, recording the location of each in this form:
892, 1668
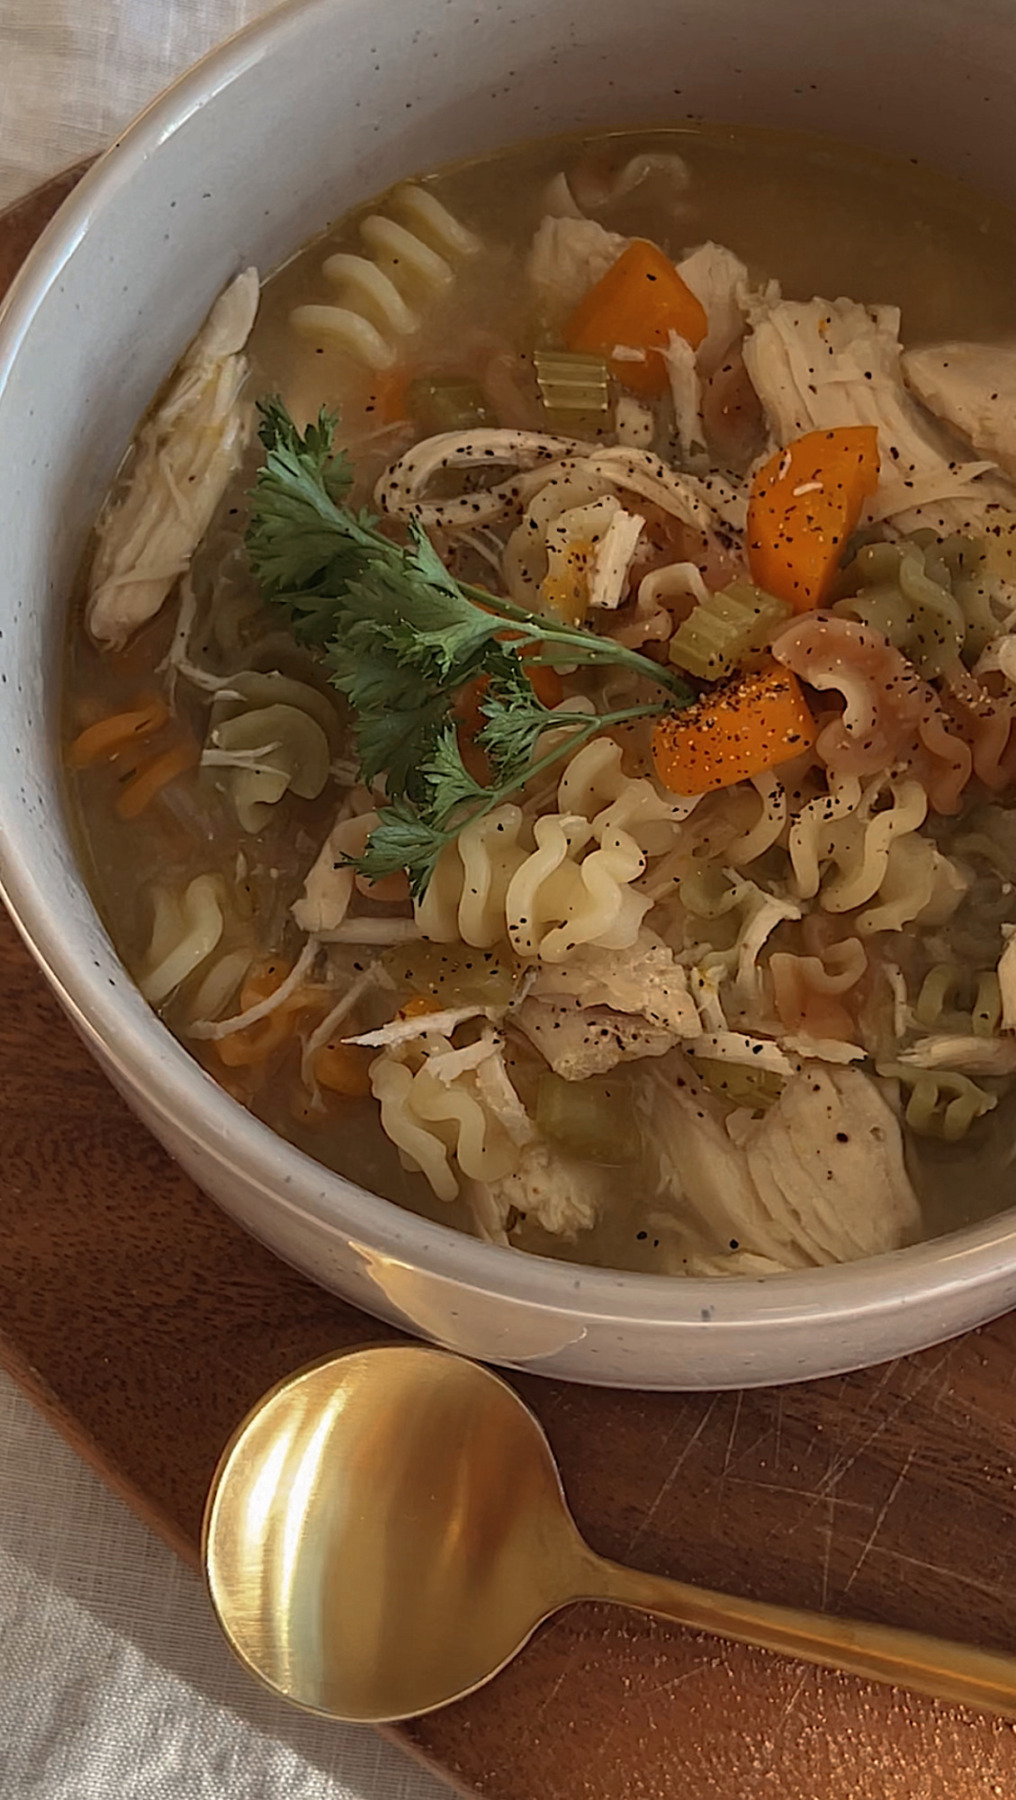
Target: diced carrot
745, 725
469, 708
255, 1043
153, 777
805, 502
636, 305
109, 736
546, 684
387, 888
418, 1005
388, 400
264, 980
343, 1069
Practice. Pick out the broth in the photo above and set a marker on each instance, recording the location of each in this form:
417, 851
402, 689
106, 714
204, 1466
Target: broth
818, 218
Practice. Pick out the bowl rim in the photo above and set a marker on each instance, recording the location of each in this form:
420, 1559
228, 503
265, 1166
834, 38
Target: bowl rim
132, 1039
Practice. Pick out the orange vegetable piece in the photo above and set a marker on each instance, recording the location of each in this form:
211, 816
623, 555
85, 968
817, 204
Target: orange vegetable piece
418, 1005
546, 684
637, 304
343, 1069
108, 737
255, 1043
153, 777
388, 400
804, 505
749, 723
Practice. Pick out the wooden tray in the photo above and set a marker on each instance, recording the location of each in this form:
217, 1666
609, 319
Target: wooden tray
145, 1324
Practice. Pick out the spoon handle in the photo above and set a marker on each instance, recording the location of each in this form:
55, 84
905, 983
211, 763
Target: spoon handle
947, 1671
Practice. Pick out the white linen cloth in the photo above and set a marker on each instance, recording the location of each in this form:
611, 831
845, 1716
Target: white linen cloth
74, 72
114, 1681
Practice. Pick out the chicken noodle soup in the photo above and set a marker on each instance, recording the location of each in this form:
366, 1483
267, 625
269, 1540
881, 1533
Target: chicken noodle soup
540, 706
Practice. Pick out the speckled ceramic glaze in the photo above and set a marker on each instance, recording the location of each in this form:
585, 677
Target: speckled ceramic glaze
288, 125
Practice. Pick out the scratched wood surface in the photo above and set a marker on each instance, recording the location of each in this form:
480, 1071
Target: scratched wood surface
146, 1324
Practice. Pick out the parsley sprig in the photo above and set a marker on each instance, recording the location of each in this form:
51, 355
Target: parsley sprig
403, 637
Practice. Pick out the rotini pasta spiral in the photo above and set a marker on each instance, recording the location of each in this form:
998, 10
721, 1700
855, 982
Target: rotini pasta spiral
927, 596
951, 999
891, 717
942, 1104
186, 929
454, 1105
808, 991
985, 722
564, 879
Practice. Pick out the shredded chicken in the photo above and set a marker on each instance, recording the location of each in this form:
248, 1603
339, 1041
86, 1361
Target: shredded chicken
184, 456
972, 388
577, 1041
821, 364
686, 394
719, 281
819, 1179
567, 257
827, 1162
644, 982
963, 1053
547, 1188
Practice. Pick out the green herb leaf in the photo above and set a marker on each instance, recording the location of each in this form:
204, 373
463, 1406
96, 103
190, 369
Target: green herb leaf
449, 785
403, 839
402, 638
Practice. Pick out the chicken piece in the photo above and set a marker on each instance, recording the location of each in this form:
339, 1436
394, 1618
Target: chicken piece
1007, 978
601, 1008
185, 454
719, 281
577, 1041
700, 1174
972, 387
644, 981
556, 1191
962, 1054
821, 364
732, 416
827, 1162
686, 394
819, 1179
567, 257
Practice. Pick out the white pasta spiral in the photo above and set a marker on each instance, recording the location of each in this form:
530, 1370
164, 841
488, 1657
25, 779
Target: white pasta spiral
563, 879
443, 1110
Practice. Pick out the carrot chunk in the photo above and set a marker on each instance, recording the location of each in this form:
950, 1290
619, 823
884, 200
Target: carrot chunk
255, 1043
745, 725
635, 306
804, 505
418, 1005
343, 1069
153, 777
109, 736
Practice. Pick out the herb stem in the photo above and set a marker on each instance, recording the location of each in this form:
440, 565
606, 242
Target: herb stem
582, 645
586, 726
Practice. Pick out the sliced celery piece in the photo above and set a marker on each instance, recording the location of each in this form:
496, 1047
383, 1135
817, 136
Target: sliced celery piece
724, 629
448, 403
452, 974
592, 1119
756, 1089
572, 381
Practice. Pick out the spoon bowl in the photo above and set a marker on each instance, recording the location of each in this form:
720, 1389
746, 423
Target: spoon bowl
387, 1527
385, 1532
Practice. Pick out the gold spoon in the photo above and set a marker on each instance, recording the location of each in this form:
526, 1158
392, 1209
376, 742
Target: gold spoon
387, 1528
